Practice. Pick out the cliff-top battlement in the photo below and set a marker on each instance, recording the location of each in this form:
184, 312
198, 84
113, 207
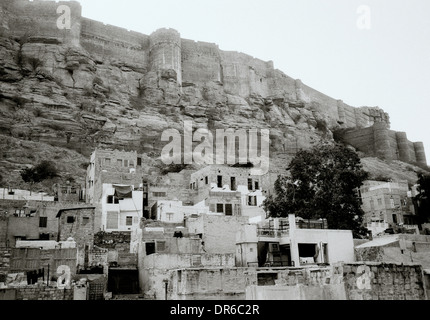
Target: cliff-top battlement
183, 61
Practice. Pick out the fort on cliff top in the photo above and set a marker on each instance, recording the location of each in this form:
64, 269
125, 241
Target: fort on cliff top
192, 63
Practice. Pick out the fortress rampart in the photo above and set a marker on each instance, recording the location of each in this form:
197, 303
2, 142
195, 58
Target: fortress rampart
379, 141
200, 63
193, 63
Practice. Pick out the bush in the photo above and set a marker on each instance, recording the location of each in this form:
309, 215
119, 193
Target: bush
42, 171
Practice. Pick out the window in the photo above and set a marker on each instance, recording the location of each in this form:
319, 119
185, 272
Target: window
196, 260
125, 163
194, 185
212, 207
169, 216
159, 194
139, 161
85, 220
129, 221
206, 180
107, 161
379, 202
228, 209
109, 199
149, 248
219, 181
70, 219
131, 163
219, 207
119, 162
73, 191
249, 184
252, 200
43, 221
233, 183
256, 185
19, 212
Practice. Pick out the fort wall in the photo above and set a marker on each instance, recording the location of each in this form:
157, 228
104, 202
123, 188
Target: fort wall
165, 52
243, 74
196, 63
379, 141
107, 41
201, 62
38, 20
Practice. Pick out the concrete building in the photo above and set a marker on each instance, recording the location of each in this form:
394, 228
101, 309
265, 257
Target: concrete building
69, 192
387, 204
19, 194
111, 167
230, 190
290, 243
173, 211
121, 207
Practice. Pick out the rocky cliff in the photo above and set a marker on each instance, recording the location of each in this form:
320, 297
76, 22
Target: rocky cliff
65, 92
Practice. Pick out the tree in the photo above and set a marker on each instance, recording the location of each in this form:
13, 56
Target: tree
322, 184
422, 199
42, 171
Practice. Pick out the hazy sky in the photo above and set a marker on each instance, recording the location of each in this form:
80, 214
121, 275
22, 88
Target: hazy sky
321, 42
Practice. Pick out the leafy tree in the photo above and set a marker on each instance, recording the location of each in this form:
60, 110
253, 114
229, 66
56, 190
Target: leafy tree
322, 184
42, 171
422, 198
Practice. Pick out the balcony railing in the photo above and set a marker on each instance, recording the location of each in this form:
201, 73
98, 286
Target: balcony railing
271, 233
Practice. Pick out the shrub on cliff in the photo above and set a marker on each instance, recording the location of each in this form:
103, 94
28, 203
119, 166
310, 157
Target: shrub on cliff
321, 184
42, 171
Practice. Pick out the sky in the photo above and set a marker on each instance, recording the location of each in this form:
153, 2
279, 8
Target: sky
364, 52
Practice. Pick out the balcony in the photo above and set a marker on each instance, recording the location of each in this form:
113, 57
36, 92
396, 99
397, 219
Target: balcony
272, 233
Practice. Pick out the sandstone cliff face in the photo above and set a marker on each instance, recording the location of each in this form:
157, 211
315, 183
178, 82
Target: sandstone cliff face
63, 96
105, 88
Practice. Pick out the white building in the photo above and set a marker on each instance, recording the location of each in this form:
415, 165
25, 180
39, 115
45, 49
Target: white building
285, 243
122, 207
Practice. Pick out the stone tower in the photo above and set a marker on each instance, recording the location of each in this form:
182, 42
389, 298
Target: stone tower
165, 54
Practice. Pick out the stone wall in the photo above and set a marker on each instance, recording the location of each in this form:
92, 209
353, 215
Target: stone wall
209, 283
383, 281
111, 42
38, 20
218, 232
379, 141
157, 65
156, 268
201, 62
43, 293
5, 256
